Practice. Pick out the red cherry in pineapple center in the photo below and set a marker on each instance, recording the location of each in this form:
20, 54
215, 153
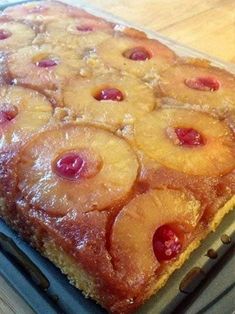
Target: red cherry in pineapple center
84, 28
112, 94
137, 54
206, 83
4, 34
46, 63
189, 137
8, 114
69, 166
166, 243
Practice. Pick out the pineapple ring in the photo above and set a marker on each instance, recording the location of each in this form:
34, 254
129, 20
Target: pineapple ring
38, 11
134, 227
79, 95
42, 186
113, 52
215, 157
174, 83
28, 111
24, 66
76, 33
44, 11
14, 35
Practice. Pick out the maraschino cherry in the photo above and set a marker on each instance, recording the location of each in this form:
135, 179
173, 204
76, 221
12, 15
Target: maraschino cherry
4, 34
166, 243
112, 94
69, 166
189, 137
203, 83
8, 114
84, 28
46, 63
137, 54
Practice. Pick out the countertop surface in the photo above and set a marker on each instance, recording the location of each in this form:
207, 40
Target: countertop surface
206, 25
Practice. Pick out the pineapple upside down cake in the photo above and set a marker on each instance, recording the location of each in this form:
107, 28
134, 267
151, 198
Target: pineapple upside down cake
117, 156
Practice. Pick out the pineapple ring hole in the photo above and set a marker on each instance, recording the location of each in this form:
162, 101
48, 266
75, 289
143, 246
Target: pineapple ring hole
166, 242
188, 137
77, 165
44, 60
203, 83
7, 113
137, 54
4, 34
106, 93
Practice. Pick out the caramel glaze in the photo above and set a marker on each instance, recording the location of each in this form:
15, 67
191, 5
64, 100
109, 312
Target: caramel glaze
86, 236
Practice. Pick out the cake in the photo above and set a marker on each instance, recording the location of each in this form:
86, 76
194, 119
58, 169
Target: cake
117, 156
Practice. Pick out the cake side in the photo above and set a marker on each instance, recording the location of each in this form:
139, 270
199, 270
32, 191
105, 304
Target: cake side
77, 276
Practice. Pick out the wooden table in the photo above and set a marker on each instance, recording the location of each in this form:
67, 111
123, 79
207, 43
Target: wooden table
207, 25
